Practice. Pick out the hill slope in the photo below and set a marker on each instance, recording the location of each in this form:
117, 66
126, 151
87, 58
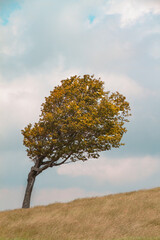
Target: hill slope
119, 216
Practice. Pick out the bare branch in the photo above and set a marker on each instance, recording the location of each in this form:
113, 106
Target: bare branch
50, 164
72, 161
44, 163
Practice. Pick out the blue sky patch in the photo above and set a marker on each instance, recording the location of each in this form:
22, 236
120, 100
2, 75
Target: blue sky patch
6, 9
91, 18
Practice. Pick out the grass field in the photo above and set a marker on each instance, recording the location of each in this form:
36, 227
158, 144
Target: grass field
92, 238
127, 216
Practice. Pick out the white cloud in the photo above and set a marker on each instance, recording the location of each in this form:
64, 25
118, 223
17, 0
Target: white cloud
12, 42
115, 171
11, 198
32, 43
132, 10
155, 50
124, 85
20, 100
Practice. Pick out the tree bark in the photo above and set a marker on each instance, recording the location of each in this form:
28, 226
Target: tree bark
36, 170
30, 183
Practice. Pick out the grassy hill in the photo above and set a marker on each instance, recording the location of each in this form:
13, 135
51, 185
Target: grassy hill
134, 215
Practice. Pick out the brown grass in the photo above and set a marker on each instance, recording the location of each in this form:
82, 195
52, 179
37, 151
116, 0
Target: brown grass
121, 216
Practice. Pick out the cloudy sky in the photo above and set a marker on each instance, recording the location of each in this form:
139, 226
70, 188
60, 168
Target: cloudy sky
45, 41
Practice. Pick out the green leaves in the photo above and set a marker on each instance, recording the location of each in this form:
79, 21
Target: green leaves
78, 120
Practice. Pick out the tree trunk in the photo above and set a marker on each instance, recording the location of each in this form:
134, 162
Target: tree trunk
30, 183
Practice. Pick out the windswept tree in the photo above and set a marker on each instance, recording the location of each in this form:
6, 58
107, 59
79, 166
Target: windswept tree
78, 120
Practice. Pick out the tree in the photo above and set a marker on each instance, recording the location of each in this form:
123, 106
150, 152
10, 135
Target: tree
78, 120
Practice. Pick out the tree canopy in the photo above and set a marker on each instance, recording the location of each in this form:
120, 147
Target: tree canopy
78, 120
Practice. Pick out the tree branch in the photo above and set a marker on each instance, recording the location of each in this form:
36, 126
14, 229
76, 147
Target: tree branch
50, 164
71, 161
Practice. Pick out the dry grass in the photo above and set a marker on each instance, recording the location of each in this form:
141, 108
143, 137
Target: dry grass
127, 216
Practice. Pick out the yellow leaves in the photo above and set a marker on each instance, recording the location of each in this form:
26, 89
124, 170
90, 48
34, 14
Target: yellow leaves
40, 130
54, 141
78, 116
49, 116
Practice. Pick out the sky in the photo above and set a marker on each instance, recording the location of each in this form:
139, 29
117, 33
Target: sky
45, 41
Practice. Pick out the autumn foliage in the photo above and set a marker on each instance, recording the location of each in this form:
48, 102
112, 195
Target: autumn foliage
78, 120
